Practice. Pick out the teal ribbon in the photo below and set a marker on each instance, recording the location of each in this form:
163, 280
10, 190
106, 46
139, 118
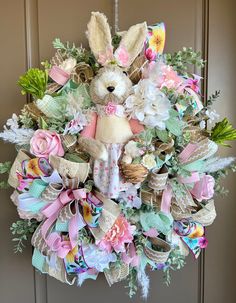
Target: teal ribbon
37, 188
38, 260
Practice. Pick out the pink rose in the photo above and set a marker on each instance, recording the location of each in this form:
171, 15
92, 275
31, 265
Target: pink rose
45, 143
204, 188
110, 108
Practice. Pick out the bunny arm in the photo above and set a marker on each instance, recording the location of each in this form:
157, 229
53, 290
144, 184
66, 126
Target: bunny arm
136, 126
95, 148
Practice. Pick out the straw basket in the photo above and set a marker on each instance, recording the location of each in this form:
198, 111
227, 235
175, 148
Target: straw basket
134, 173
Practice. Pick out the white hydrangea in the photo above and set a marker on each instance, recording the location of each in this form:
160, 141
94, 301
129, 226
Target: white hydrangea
148, 105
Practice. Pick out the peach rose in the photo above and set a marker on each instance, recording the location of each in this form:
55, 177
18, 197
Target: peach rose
45, 143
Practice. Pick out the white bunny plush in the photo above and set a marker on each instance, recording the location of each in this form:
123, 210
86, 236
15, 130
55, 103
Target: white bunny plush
109, 128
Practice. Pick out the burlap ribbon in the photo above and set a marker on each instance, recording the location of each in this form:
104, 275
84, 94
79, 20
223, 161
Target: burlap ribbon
158, 179
69, 142
157, 250
110, 213
189, 158
52, 265
17, 167
80, 73
70, 169
116, 274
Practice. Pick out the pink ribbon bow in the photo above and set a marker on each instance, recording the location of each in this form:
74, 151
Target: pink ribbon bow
51, 211
168, 193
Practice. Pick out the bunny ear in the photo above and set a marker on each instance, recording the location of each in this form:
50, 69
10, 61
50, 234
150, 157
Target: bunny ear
131, 44
99, 34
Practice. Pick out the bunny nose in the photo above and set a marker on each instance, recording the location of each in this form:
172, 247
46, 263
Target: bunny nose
110, 88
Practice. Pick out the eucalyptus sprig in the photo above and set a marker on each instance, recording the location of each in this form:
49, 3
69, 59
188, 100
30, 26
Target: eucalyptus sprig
212, 98
182, 59
175, 261
4, 168
79, 53
34, 82
132, 282
223, 131
22, 229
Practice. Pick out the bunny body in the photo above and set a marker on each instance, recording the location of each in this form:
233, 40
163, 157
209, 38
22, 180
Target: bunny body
109, 128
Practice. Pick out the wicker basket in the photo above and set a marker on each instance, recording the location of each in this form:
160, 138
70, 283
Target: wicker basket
134, 173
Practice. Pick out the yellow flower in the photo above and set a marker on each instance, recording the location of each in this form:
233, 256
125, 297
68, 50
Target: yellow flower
149, 161
157, 40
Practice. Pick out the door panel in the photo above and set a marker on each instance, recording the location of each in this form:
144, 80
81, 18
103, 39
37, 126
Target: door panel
29, 27
220, 255
16, 274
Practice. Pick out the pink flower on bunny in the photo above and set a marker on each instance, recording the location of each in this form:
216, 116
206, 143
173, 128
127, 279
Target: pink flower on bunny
109, 128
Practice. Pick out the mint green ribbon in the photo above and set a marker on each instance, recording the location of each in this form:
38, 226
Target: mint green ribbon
37, 188
161, 221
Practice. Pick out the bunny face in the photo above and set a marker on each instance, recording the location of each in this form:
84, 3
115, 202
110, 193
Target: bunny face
111, 84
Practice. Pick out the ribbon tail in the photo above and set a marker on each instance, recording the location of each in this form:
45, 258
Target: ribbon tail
166, 199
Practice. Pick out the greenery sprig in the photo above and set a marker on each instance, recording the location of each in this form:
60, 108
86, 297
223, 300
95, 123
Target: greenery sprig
175, 261
79, 53
132, 282
22, 229
212, 98
182, 59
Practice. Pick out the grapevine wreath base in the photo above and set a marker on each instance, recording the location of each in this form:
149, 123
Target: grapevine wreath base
116, 169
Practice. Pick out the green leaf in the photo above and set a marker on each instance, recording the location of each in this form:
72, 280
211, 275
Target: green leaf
223, 131
42, 123
5, 167
162, 135
175, 126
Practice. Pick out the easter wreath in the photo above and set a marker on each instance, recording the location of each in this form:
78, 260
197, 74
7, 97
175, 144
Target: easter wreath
116, 169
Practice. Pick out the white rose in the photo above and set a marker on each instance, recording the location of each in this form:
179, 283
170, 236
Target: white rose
149, 161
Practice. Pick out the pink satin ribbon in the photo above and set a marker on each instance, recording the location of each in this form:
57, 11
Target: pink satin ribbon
167, 194
59, 75
130, 256
54, 240
187, 152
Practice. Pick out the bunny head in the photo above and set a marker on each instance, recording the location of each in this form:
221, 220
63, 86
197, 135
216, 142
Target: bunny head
112, 83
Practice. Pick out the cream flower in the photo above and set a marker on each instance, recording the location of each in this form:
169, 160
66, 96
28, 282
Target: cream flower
149, 161
132, 149
148, 104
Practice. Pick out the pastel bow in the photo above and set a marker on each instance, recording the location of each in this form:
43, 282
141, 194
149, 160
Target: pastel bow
91, 211
190, 158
